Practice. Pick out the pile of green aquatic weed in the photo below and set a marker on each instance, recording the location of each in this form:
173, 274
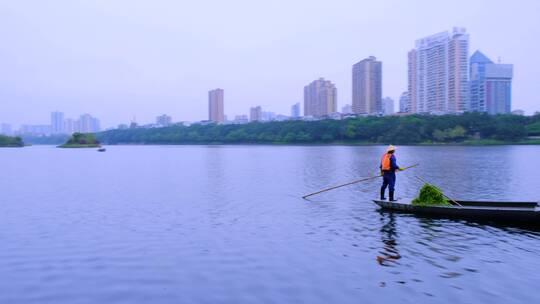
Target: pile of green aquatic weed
430, 196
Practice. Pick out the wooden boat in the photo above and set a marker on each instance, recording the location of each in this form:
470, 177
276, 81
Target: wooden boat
526, 213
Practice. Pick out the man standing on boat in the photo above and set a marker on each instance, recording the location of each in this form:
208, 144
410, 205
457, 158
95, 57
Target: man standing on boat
388, 171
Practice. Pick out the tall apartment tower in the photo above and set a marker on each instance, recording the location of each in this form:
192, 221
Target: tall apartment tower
215, 106
367, 86
320, 98
491, 85
255, 113
57, 122
412, 75
438, 73
295, 110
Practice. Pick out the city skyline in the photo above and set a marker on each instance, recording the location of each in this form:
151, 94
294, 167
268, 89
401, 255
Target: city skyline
116, 76
442, 79
59, 124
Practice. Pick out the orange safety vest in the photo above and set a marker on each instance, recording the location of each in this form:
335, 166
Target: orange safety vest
386, 163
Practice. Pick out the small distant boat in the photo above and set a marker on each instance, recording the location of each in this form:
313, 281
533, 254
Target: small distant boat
524, 213
102, 150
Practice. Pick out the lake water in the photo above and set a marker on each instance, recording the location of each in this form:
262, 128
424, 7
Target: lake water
226, 224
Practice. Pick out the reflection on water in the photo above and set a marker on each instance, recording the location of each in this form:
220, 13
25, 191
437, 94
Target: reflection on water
389, 254
226, 224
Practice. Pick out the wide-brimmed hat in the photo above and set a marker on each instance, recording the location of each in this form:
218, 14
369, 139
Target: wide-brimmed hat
391, 148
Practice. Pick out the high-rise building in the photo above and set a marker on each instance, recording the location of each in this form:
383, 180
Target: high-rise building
255, 113
404, 102
163, 120
216, 111
490, 85
347, 109
57, 122
87, 124
295, 110
69, 126
320, 98
5, 129
477, 91
388, 106
438, 75
367, 86
412, 84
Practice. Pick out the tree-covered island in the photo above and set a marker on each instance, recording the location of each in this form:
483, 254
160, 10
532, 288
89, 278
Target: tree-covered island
8, 141
81, 140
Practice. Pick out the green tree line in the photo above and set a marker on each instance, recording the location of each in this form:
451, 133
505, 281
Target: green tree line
7, 141
413, 129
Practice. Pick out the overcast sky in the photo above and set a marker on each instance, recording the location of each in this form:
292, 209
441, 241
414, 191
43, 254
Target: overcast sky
119, 59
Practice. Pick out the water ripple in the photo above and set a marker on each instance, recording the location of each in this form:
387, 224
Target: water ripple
227, 225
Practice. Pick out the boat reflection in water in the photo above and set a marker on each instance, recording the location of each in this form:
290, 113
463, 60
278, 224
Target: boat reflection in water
389, 254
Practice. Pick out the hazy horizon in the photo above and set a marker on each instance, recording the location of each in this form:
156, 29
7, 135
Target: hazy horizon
124, 59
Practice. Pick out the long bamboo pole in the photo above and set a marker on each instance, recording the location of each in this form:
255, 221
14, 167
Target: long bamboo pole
350, 183
449, 198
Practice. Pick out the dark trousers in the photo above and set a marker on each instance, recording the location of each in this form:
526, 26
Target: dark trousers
389, 180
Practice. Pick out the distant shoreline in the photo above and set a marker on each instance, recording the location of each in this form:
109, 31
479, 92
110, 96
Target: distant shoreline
12, 146
470, 143
479, 142
79, 146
